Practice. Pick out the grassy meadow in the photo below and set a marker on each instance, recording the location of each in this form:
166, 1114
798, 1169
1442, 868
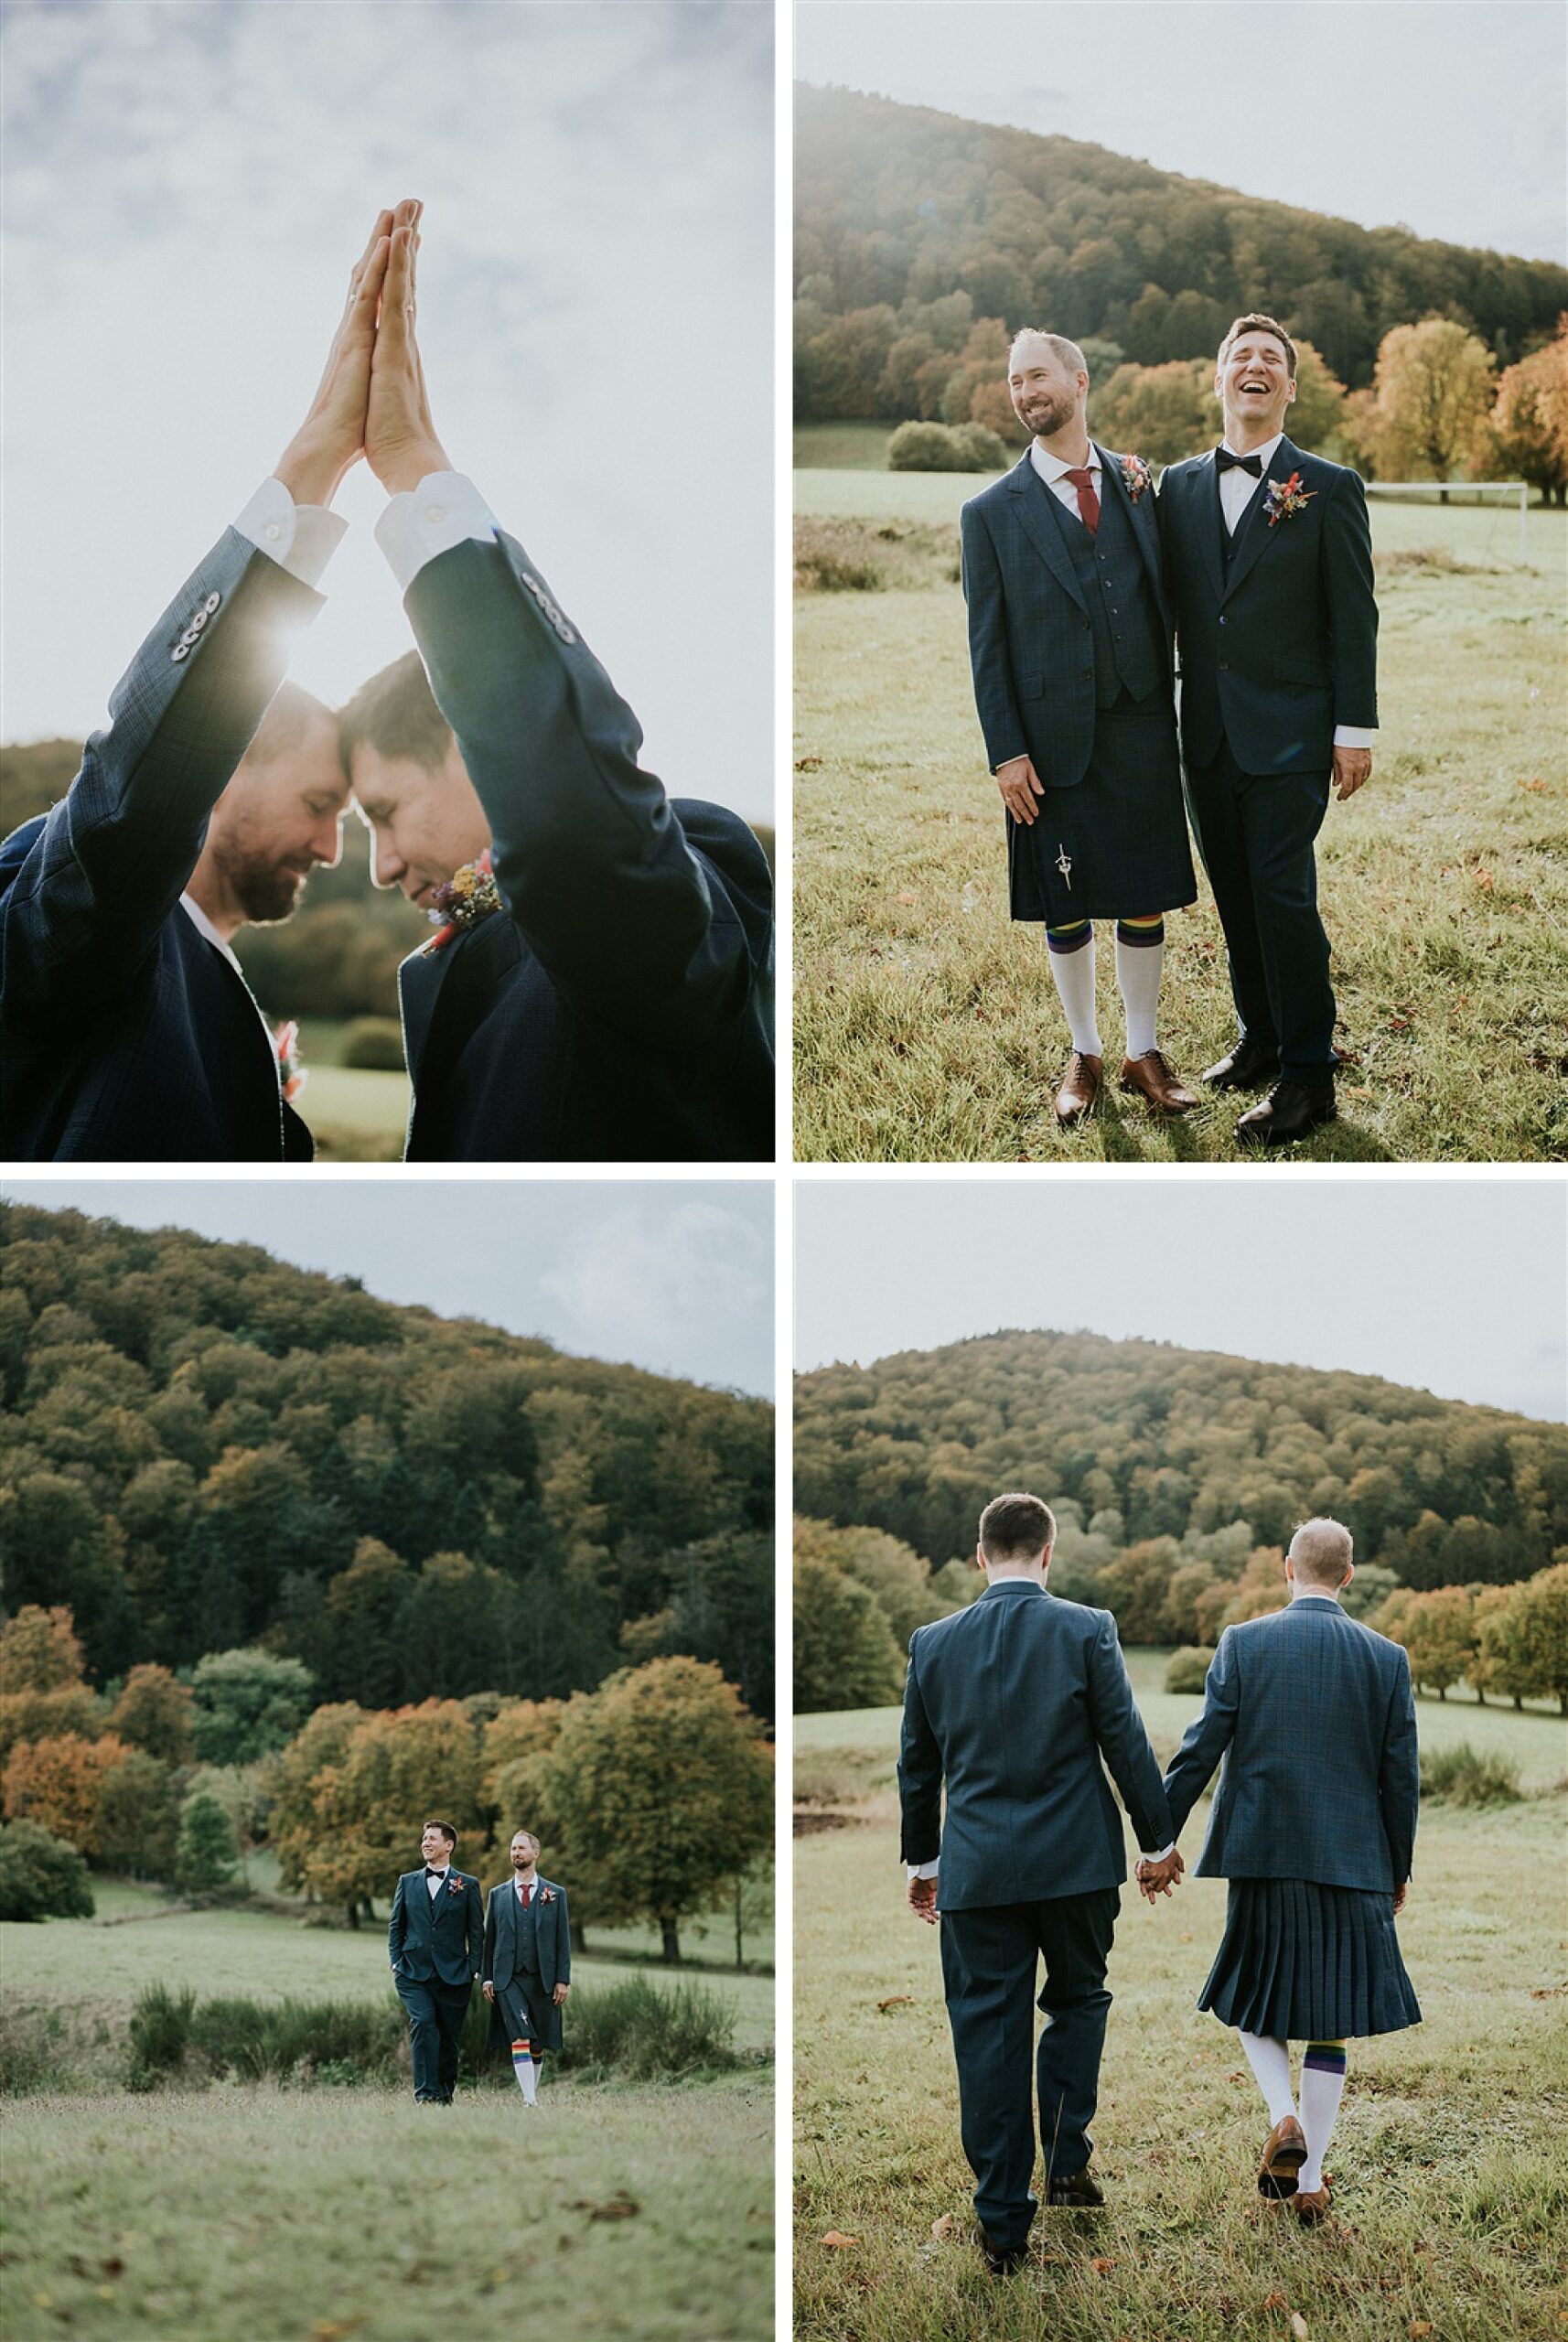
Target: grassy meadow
307, 2215
356, 1115
927, 1028
1451, 2183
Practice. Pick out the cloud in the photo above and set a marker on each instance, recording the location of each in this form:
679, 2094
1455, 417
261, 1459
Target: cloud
677, 1286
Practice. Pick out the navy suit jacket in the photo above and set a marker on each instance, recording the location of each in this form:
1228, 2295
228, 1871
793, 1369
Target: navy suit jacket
1314, 1717
1031, 644
125, 1034
551, 1934
621, 1007
1015, 1701
1277, 649
437, 1936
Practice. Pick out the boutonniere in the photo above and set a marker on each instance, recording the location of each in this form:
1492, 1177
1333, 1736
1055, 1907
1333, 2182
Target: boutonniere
468, 895
547, 1895
1287, 496
456, 1885
292, 1076
1136, 476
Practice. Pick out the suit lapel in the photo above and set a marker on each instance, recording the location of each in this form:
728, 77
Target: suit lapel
419, 980
1254, 532
1205, 486
457, 979
1040, 527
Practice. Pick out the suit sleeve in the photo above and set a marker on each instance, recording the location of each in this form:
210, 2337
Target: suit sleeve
989, 661
1207, 1737
1398, 1783
1347, 573
114, 855
563, 1931
588, 853
1124, 1742
919, 1773
397, 1925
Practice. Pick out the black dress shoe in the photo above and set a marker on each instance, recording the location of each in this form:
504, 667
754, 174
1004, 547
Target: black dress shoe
1251, 1065
1001, 2259
1288, 1112
1078, 2187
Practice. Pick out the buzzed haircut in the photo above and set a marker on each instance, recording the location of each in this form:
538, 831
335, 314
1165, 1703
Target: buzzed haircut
1067, 352
446, 1828
524, 1833
1321, 1552
396, 715
1255, 322
291, 713
1016, 1527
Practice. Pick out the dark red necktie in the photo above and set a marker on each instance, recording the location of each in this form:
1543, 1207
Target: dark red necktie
1087, 503
527, 1896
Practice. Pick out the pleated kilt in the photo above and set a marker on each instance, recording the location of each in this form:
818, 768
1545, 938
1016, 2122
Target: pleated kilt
1304, 1962
1122, 832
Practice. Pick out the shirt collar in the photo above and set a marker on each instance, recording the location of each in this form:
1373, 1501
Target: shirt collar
204, 925
1051, 468
1267, 452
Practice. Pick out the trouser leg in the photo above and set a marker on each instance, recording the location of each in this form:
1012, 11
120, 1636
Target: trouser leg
1214, 805
1281, 816
989, 1963
1075, 1934
424, 2038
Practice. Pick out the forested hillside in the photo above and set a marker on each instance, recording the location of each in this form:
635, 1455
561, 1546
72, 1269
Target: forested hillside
1137, 1441
912, 226
206, 1448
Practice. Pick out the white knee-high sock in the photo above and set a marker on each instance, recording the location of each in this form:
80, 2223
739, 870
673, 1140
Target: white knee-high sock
1074, 972
1138, 970
1322, 2086
523, 2067
1269, 2061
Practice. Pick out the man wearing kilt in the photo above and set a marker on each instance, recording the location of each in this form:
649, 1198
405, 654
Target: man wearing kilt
1070, 644
1313, 1824
528, 1963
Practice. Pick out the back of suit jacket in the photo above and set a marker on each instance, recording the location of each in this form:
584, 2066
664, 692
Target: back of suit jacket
1314, 1717
1015, 1701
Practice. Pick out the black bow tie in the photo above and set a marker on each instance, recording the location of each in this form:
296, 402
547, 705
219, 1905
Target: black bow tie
433, 1874
1226, 462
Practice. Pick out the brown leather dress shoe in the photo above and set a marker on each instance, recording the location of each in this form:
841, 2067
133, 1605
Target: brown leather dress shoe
1283, 2158
1079, 1087
1311, 2205
1151, 1076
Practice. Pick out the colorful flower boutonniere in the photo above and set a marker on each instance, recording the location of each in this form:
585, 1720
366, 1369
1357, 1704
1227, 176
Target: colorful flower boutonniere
292, 1076
1136, 474
547, 1895
454, 1885
1286, 498
468, 895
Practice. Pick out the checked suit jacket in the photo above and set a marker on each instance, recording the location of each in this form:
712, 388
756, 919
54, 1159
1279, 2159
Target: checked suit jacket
1031, 645
1021, 1702
1281, 645
1315, 1720
125, 1034
620, 1006
552, 1949
437, 1937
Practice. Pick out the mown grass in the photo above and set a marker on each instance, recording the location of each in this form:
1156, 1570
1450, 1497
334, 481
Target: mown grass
355, 1114
926, 1026
288, 2218
1451, 2184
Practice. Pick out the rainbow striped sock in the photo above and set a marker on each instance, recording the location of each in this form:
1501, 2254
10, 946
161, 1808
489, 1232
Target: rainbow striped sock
1323, 2058
1071, 938
523, 2067
1144, 932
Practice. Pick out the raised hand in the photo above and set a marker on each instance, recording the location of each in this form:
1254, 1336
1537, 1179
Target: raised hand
331, 439
1158, 1878
400, 444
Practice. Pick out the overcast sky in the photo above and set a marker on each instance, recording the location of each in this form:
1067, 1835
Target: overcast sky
186, 187
1447, 118
1454, 1286
674, 1276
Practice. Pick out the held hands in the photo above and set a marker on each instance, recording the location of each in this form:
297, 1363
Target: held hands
1351, 767
489, 1992
922, 1899
1158, 1878
1020, 785
400, 444
332, 437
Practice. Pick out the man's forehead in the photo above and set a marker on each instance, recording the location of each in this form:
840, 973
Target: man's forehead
1035, 351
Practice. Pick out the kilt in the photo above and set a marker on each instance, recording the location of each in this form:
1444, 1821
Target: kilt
523, 2010
1305, 1962
1122, 831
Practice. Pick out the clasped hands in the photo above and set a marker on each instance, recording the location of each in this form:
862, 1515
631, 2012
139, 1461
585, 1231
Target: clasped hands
371, 400
1158, 1878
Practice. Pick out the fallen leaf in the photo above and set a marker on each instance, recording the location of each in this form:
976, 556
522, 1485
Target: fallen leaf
1419, 2326
616, 2207
1276, 2301
333, 2329
904, 896
1484, 880
944, 2228
1102, 2268
896, 2001
837, 2237
1298, 2325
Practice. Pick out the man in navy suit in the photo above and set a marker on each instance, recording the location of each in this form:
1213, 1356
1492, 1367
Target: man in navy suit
1019, 1703
128, 1031
1070, 644
436, 1943
600, 984
528, 1963
1268, 561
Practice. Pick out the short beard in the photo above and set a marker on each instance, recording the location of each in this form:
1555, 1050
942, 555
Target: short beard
1058, 412
267, 892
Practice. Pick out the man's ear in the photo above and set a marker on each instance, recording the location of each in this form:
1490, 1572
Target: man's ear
980, 1557
1290, 390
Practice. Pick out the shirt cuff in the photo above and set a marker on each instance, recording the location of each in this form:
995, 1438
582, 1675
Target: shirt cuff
922, 1870
431, 518
1164, 1853
301, 538
1355, 735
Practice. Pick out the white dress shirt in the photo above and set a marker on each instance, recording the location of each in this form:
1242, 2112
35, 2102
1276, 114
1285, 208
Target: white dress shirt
1237, 490
431, 518
434, 1880
1054, 472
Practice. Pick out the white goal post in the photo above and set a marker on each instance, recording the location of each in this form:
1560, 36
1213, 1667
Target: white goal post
1515, 491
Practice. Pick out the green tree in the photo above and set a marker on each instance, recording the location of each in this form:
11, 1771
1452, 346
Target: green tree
1437, 1629
39, 1651
845, 1656
1541, 1630
41, 1877
661, 1780
247, 1703
153, 1713
206, 1855
1161, 412
138, 1816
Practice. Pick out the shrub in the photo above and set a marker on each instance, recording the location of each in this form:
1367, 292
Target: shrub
1459, 1777
41, 1877
945, 448
1188, 1669
373, 1042
640, 2033
160, 2035
206, 1853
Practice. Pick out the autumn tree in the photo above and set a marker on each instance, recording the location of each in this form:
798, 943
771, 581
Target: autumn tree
1528, 434
59, 1783
1161, 412
352, 1792
39, 1651
662, 1782
1434, 391
1437, 1629
153, 1713
1540, 1629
